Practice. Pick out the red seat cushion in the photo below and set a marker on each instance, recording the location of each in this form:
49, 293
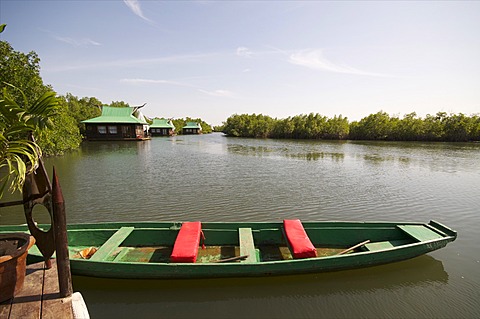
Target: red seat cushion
298, 240
185, 249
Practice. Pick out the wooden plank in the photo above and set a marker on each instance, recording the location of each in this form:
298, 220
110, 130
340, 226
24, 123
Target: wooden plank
27, 303
122, 254
53, 306
5, 310
112, 243
380, 245
247, 245
420, 232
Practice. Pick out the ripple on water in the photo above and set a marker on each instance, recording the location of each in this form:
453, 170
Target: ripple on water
213, 178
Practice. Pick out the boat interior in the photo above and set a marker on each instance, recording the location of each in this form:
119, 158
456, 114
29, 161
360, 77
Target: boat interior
241, 242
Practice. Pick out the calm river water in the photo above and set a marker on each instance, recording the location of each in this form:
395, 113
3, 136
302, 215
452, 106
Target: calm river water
215, 178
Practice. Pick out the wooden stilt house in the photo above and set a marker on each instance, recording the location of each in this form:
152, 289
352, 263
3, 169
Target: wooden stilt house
192, 128
162, 127
117, 123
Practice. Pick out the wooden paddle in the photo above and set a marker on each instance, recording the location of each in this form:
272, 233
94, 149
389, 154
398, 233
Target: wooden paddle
354, 247
232, 259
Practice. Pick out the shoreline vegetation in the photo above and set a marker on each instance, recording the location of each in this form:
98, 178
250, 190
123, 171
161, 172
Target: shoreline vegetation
441, 127
22, 86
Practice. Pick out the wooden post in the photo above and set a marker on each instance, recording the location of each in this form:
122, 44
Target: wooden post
61, 240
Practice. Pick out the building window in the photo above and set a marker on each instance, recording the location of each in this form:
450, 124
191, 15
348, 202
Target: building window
112, 130
102, 129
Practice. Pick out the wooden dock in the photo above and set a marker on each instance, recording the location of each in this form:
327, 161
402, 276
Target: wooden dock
40, 296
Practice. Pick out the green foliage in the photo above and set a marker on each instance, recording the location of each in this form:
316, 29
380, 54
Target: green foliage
311, 126
59, 132
218, 128
410, 128
373, 127
206, 128
179, 123
245, 125
19, 155
475, 128
438, 127
22, 71
378, 126
119, 104
63, 136
82, 109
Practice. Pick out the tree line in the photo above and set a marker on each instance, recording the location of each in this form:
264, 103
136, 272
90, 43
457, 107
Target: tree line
21, 82
379, 126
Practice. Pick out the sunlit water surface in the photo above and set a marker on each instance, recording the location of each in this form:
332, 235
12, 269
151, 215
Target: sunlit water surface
215, 178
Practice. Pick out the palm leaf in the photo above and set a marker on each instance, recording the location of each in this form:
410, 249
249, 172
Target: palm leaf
19, 156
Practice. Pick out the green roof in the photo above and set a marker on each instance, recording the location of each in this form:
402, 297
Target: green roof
193, 125
116, 115
162, 123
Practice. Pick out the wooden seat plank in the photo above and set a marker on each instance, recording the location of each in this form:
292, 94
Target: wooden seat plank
420, 232
247, 245
112, 243
379, 245
122, 254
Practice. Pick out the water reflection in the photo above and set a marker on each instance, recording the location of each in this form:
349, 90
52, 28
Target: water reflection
282, 151
286, 295
114, 147
377, 158
251, 150
436, 157
214, 178
455, 157
315, 156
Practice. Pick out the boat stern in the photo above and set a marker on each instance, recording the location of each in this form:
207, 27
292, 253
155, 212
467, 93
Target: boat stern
442, 229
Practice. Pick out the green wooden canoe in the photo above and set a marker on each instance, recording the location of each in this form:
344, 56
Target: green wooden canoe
142, 250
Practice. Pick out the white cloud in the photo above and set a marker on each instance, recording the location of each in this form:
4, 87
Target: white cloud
314, 59
150, 81
192, 58
217, 93
243, 51
77, 43
134, 5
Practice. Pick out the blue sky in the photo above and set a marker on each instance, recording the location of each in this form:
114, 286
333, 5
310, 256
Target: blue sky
212, 59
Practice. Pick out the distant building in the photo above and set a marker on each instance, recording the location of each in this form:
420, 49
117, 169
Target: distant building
117, 123
162, 127
192, 128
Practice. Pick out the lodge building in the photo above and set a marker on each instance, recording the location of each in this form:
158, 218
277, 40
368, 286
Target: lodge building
162, 127
117, 123
192, 128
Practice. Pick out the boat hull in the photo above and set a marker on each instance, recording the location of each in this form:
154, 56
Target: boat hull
143, 253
